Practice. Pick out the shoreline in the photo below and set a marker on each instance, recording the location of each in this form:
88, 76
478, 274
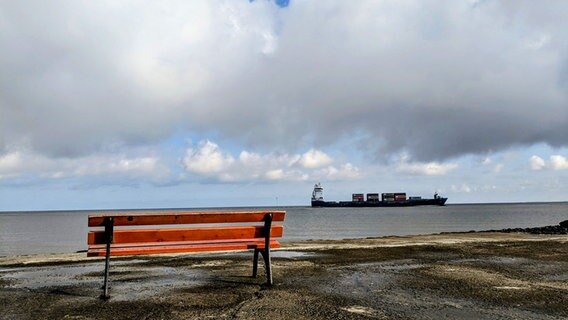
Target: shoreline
316, 245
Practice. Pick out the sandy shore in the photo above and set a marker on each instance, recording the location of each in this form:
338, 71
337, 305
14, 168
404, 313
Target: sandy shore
446, 276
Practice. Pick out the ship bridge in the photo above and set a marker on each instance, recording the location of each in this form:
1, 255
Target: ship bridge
317, 194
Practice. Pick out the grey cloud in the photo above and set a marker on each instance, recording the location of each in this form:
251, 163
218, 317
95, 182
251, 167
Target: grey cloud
469, 85
434, 79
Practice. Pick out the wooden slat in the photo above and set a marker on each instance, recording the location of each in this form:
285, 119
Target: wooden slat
171, 243
192, 234
185, 218
121, 250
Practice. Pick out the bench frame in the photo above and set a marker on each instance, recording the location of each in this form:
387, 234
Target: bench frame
109, 224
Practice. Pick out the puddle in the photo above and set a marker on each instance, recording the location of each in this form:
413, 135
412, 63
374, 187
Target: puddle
287, 254
291, 254
39, 277
156, 283
59, 275
509, 260
364, 311
128, 279
215, 263
406, 264
452, 304
11, 269
403, 266
558, 277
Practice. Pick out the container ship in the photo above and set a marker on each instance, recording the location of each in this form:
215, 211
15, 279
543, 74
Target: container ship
398, 199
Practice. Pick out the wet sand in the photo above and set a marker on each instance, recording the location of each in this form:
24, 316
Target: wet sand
446, 276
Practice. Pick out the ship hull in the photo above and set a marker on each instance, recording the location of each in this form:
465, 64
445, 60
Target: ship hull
364, 204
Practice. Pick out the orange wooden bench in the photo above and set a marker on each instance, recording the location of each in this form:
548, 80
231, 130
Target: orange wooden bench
226, 231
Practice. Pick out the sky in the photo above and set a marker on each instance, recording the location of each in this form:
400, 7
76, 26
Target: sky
184, 104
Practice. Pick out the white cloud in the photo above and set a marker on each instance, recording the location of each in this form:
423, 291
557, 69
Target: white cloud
555, 162
276, 174
315, 159
463, 188
344, 172
536, 163
498, 167
558, 162
10, 164
428, 169
538, 42
208, 160
18, 163
110, 165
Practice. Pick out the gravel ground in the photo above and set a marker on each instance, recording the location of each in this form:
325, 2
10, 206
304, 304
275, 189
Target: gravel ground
446, 276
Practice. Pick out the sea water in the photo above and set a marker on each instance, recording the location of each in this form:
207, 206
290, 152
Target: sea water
66, 231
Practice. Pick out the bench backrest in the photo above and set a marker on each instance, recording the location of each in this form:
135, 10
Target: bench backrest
232, 228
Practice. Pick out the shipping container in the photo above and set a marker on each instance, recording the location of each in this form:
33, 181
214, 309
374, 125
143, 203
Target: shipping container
414, 198
358, 197
372, 197
400, 196
387, 196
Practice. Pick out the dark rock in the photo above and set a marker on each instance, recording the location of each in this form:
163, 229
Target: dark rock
561, 228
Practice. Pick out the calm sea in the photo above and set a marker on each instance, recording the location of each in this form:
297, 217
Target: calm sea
66, 231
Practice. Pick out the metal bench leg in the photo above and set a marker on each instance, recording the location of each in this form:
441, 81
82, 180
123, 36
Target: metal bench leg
109, 228
266, 251
255, 263
267, 265
107, 266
